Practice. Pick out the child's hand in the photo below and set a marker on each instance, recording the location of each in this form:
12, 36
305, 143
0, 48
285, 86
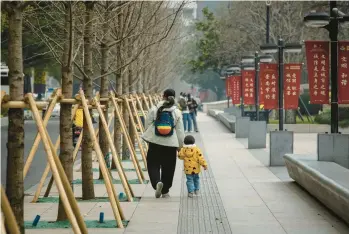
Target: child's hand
205, 167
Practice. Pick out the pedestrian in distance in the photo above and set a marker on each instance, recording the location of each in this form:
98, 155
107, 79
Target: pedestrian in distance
193, 161
192, 106
185, 112
165, 135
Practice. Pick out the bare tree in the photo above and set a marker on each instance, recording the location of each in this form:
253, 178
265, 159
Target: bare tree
86, 155
66, 146
15, 145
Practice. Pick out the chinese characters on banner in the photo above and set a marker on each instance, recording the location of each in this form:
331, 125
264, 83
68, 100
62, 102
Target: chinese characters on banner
317, 53
292, 77
261, 90
248, 87
228, 89
269, 81
236, 89
343, 72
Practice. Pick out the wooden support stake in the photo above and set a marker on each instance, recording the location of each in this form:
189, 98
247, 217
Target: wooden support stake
38, 137
22, 105
3, 229
127, 139
47, 169
78, 143
136, 115
114, 202
151, 100
140, 106
139, 141
139, 121
3, 93
73, 217
115, 155
10, 218
44, 176
146, 102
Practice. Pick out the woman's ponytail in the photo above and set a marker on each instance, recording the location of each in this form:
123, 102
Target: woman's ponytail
169, 96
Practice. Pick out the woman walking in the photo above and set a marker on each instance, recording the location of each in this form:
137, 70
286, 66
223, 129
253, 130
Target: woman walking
165, 135
183, 104
192, 106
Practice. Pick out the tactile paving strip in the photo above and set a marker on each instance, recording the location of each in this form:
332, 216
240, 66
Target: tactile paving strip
204, 213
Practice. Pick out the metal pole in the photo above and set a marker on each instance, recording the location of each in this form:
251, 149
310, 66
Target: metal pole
256, 85
333, 29
242, 94
281, 84
268, 22
228, 101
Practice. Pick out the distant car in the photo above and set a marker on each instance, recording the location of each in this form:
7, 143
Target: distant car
56, 110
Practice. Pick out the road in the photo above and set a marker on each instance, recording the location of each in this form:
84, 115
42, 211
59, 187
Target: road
39, 162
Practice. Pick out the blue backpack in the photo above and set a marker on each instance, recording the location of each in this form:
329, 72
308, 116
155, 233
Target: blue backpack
164, 123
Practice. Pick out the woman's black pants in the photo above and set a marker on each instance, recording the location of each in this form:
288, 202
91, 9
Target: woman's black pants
161, 162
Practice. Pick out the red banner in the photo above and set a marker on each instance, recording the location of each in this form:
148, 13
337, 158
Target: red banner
236, 90
248, 86
292, 81
261, 89
269, 74
317, 53
228, 89
343, 72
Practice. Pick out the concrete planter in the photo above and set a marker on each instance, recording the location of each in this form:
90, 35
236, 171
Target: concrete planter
257, 135
333, 148
281, 143
242, 127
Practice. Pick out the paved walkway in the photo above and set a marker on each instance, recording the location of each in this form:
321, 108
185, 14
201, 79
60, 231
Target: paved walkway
239, 195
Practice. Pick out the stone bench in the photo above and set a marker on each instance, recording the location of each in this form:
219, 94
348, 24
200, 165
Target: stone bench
327, 181
214, 113
228, 120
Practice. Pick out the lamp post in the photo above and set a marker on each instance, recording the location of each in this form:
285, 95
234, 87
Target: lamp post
330, 23
255, 60
245, 64
223, 78
267, 22
281, 47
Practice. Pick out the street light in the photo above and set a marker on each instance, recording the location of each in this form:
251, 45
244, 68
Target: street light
256, 60
330, 23
246, 64
247, 59
281, 47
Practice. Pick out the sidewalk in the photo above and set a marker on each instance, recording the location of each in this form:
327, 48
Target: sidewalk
255, 199
238, 195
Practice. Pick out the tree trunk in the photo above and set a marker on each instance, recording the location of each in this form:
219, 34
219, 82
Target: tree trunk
65, 126
86, 155
103, 142
15, 144
125, 89
290, 117
119, 61
117, 125
131, 90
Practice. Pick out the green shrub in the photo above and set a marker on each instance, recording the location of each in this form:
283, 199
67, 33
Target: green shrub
344, 123
4, 112
312, 108
323, 118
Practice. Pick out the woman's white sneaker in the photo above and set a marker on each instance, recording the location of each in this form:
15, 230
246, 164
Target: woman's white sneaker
158, 190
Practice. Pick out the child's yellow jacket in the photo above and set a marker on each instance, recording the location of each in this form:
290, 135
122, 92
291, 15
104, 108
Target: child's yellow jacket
79, 118
193, 159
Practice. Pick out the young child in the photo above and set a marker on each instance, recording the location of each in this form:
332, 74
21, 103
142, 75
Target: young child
193, 160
